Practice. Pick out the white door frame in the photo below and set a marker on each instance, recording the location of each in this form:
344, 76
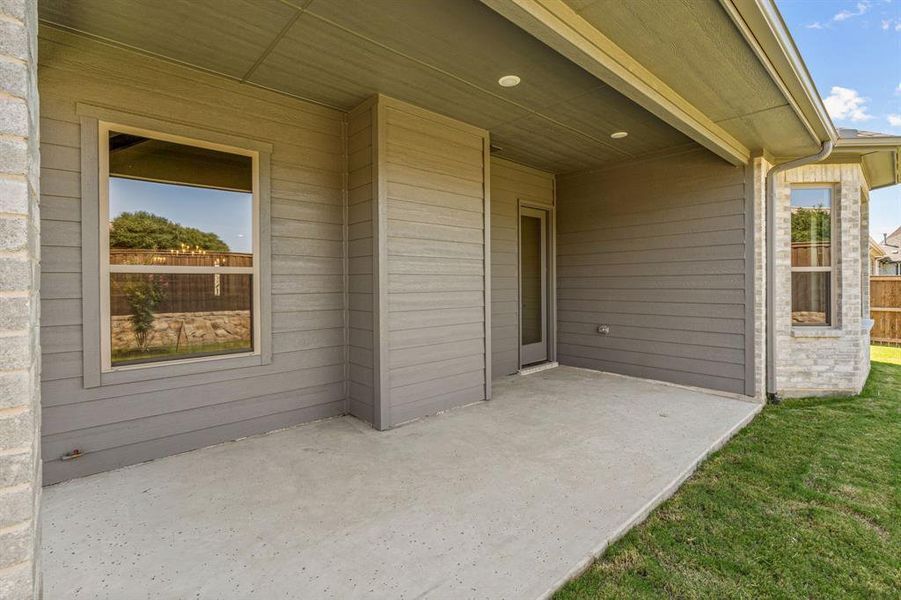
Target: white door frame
550, 312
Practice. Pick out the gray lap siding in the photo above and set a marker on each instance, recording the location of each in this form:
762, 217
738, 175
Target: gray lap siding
121, 424
657, 250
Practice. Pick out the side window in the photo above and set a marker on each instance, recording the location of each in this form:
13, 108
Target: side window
811, 256
179, 249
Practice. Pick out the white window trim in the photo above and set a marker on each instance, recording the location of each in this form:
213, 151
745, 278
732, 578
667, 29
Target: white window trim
94, 249
834, 248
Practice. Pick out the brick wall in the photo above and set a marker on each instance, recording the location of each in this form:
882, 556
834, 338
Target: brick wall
835, 359
19, 277
759, 169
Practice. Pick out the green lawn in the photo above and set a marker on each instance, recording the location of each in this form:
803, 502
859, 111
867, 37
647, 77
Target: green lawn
124, 357
805, 502
886, 354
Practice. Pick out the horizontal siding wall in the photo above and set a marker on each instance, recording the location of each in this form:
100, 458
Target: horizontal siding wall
123, 424
360, 262
655, 249
510, 183
434, 190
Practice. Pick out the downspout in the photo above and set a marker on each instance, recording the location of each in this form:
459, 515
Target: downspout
824, 153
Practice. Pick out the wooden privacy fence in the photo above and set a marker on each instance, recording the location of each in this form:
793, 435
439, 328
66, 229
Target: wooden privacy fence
184, 292
811, 254
885, 309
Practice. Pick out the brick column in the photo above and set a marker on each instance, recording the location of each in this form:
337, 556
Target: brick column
760, 166
20, 465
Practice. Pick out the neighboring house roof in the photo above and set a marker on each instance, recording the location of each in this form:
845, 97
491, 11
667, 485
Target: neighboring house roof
895, 235
847, 133
876, 249
891, 247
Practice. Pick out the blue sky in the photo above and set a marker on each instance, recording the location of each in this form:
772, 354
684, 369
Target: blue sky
853, 52
228, 214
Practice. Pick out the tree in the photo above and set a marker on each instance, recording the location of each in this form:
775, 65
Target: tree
147, 231
144, 293
811, 225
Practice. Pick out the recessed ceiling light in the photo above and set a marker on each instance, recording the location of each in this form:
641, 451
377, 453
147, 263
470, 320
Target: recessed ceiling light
618, 135
509, 81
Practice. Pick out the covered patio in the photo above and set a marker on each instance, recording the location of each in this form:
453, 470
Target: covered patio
496, 500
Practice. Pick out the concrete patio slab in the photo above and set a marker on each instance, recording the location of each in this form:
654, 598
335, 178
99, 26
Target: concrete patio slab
503, 499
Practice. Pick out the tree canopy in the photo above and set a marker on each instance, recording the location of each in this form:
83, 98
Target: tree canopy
811, 225
147, 231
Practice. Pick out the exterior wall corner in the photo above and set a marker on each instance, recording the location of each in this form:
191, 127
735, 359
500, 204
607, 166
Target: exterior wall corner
20, 417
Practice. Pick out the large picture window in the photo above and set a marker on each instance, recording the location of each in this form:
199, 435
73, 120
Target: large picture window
811, 255
179, 245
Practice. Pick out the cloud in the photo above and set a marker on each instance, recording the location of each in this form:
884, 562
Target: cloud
894, 24
894, 120
845, 103
898, 89
860, 9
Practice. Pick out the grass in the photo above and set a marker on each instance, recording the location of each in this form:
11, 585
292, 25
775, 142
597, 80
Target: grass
123, 357
805, 502
886, 354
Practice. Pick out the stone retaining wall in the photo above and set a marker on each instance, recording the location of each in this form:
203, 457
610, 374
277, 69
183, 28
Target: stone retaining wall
187, 329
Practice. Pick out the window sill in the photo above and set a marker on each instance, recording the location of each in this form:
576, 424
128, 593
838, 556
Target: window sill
816, 332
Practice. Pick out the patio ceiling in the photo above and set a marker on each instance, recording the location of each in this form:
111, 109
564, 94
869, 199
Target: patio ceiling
444, 56
448, 55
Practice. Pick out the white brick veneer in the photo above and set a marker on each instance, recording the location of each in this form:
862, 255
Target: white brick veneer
825, 360
759, 169
20, 475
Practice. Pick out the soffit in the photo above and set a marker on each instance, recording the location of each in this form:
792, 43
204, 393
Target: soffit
225, 37
443, 56
881, 167
695, 48
879, 154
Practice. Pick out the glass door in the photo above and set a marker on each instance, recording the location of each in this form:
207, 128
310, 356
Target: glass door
533, 283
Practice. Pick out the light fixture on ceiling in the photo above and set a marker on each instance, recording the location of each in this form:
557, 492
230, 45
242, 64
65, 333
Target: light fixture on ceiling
618, 135
509, 81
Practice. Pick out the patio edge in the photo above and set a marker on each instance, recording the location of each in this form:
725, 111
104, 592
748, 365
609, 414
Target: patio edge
641, 514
